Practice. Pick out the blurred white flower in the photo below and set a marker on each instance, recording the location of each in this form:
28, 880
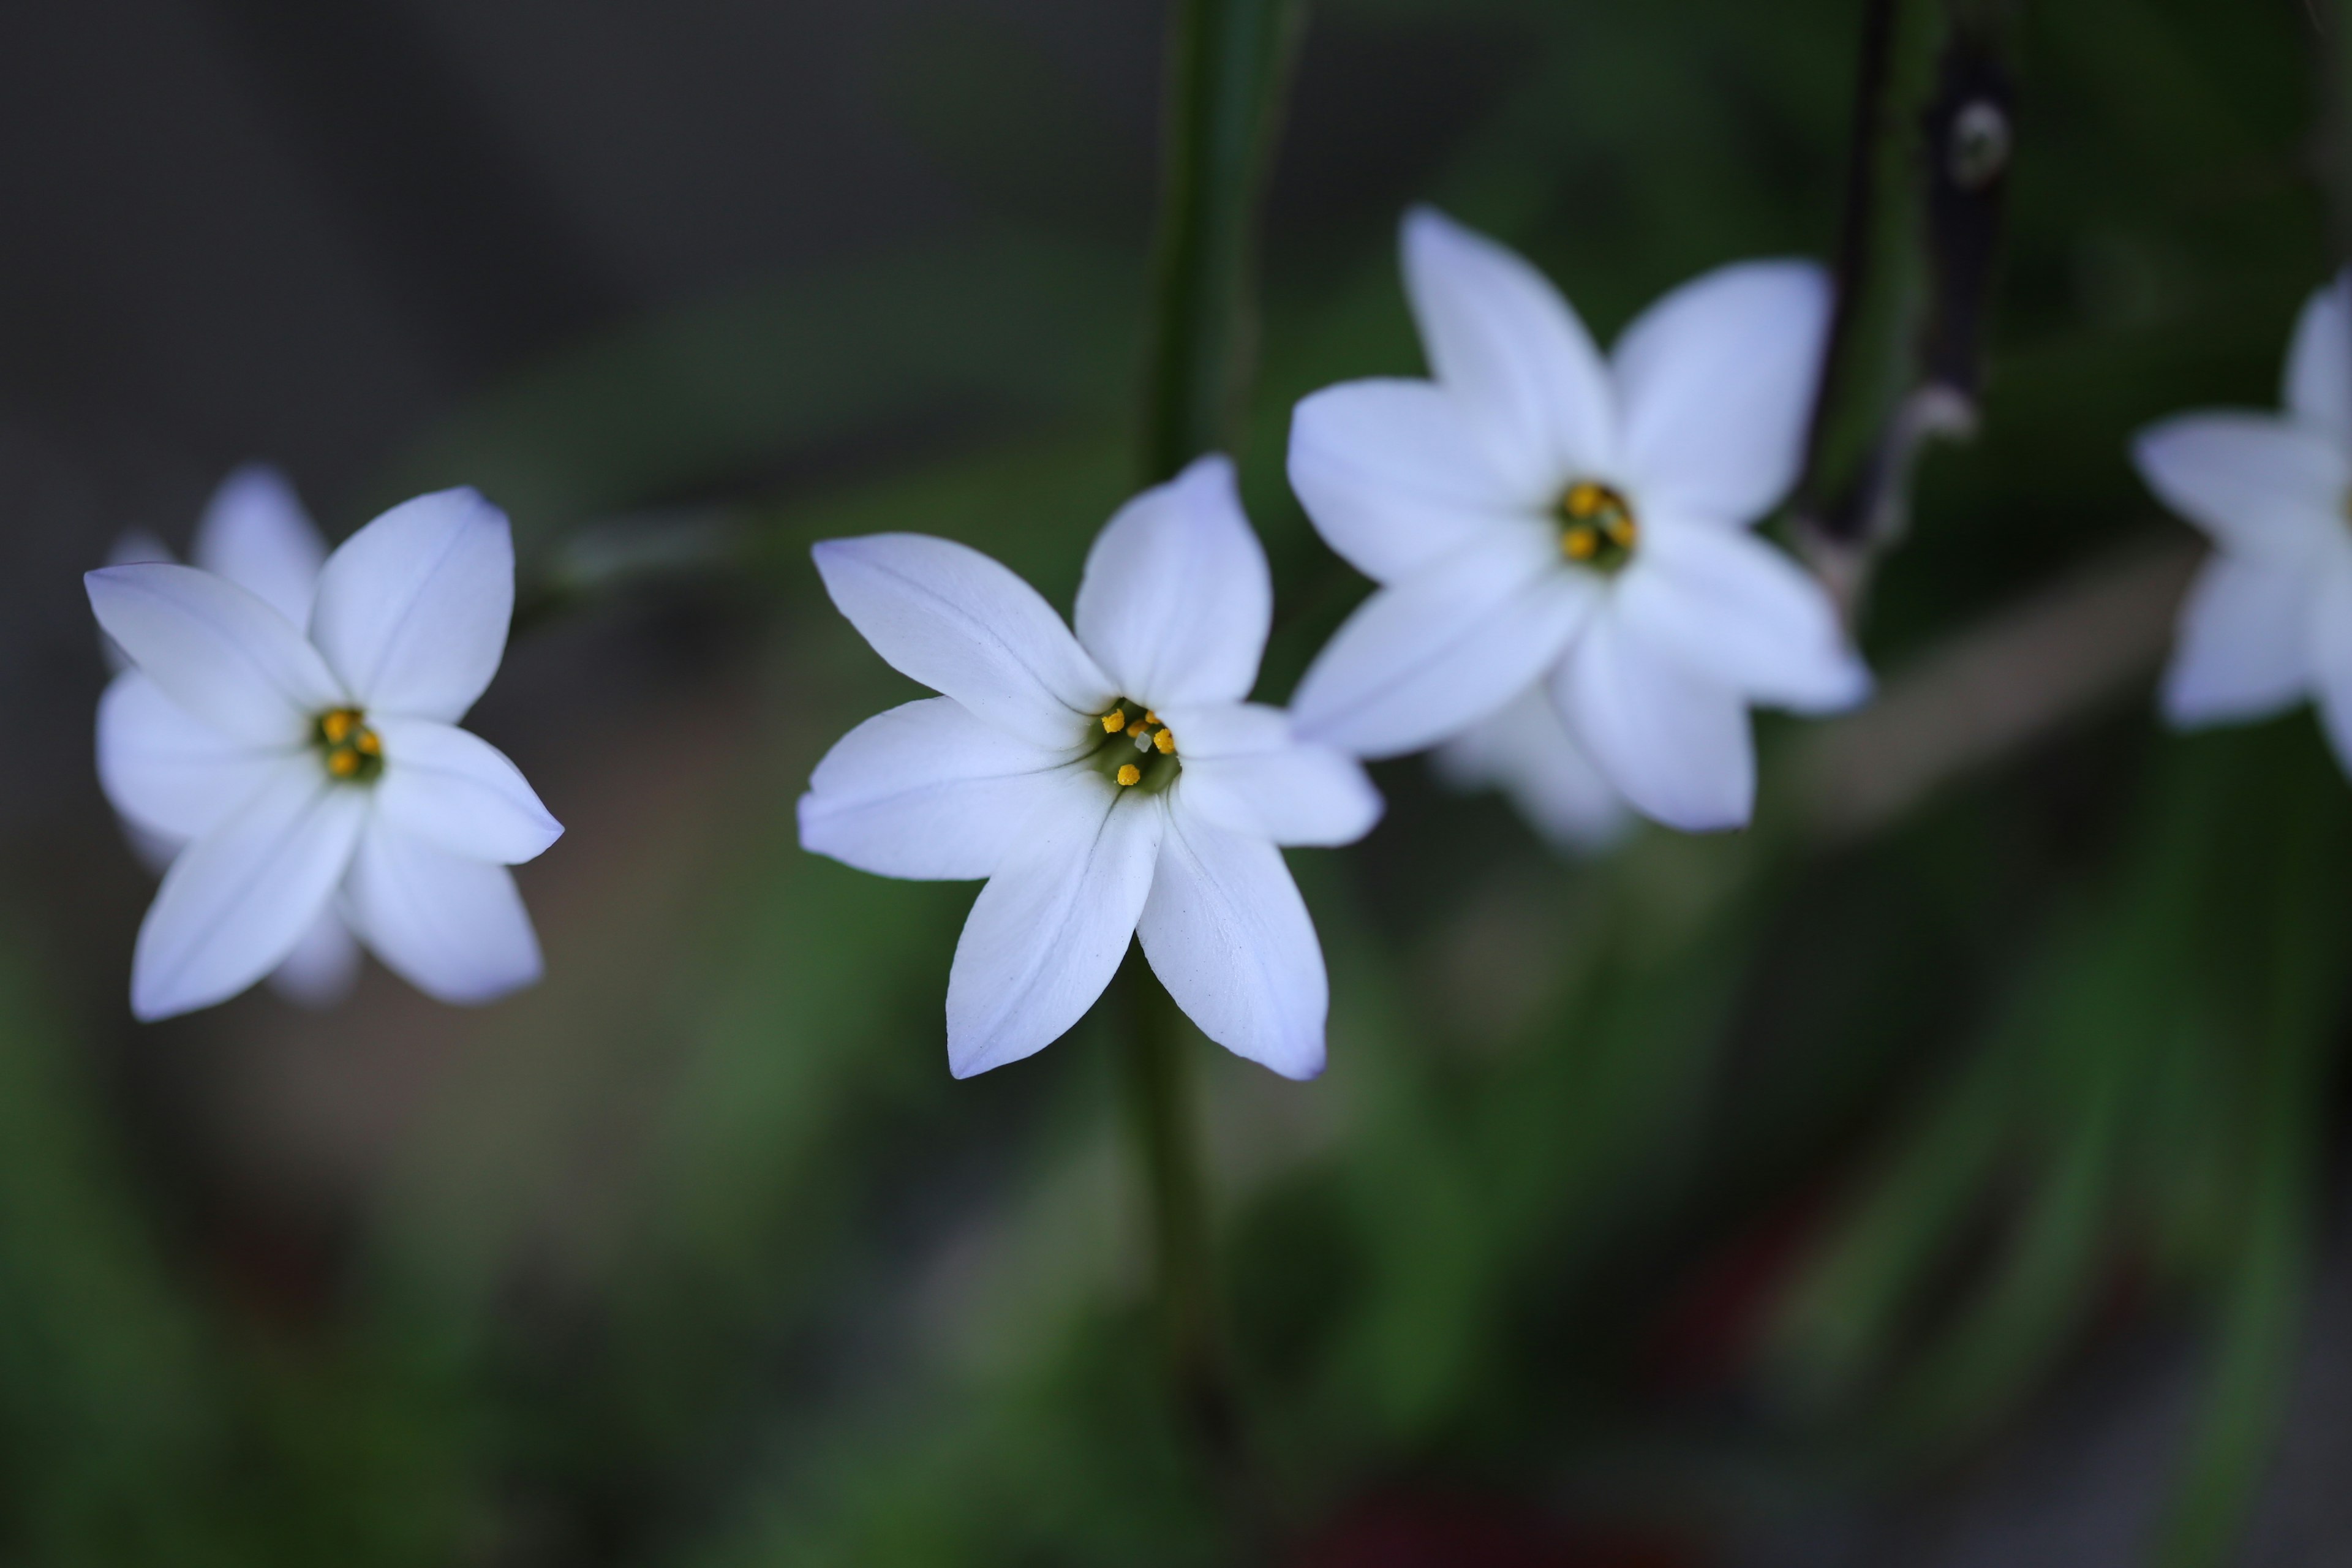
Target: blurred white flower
2268, 622
1109, 785
307, 772
254, 532
1539, 515
1528, 753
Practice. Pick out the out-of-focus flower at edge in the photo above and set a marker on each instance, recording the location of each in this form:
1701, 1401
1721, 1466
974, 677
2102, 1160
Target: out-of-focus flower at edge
1109, 785
1528, 753
2268, 623
256, 533
1537, 515
309, 772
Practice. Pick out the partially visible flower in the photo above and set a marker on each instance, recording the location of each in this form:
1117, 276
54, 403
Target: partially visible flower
1528, 753
307, 771
1540, 516
256, 533
2268, 623
1112, 784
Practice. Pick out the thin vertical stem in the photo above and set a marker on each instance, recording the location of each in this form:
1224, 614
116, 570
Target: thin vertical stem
1228, 63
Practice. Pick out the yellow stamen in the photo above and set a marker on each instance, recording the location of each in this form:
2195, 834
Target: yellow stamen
1114, 721
1166, 740
1130, 775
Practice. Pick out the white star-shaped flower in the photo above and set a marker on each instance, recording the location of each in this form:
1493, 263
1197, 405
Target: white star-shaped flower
2269, 621
318, 770
1539, 515
1109, 785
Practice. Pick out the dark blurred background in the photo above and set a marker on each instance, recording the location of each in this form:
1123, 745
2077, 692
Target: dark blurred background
1952, 1184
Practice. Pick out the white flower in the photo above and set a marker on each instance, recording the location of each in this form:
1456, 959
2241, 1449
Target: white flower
1528, 753
2269, 621
307, 771
1111, 785
1536, 514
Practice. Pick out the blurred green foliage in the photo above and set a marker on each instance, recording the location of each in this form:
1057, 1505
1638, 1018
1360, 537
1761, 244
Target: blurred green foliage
1740, 1158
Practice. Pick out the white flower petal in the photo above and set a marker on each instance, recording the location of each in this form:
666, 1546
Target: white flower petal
2242, 646
457, 791
966, 627
2330, 630
323, 966
169, 774
1245, 769
254, 533
1444, 647
1177, 600
1716, 386
1736, 608
1229, 937
924, 791
225, 657
1047, 932
2267, 488
2319, 389
238, 899
412, 610
1510, 350
1674, 744
451, 926
1393, 478
1527, 752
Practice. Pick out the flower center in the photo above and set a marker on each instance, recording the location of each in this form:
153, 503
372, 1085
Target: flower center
1596, 527
351, 751
1135, 752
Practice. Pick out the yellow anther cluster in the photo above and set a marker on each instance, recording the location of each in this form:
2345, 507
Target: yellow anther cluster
1149, 734
353, 750
1597, 526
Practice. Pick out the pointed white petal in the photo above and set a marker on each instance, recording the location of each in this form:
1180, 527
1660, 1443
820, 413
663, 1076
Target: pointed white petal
924, 791
323, 966
254, 533
1394, 480
1177, 600
2319, 389
165, 772
1504, 344
457, 791
1674, 744
1047, 932
238, 898
222, 655
1716, 385
2267, 488
453, 928
1444, 647
964, 625
1527, 752
1736, 608
1245, 769
1229, 937
2242, 648
412, 610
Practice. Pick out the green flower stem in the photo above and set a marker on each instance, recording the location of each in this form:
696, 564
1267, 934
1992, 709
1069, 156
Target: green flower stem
1932, 138
1229, 60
